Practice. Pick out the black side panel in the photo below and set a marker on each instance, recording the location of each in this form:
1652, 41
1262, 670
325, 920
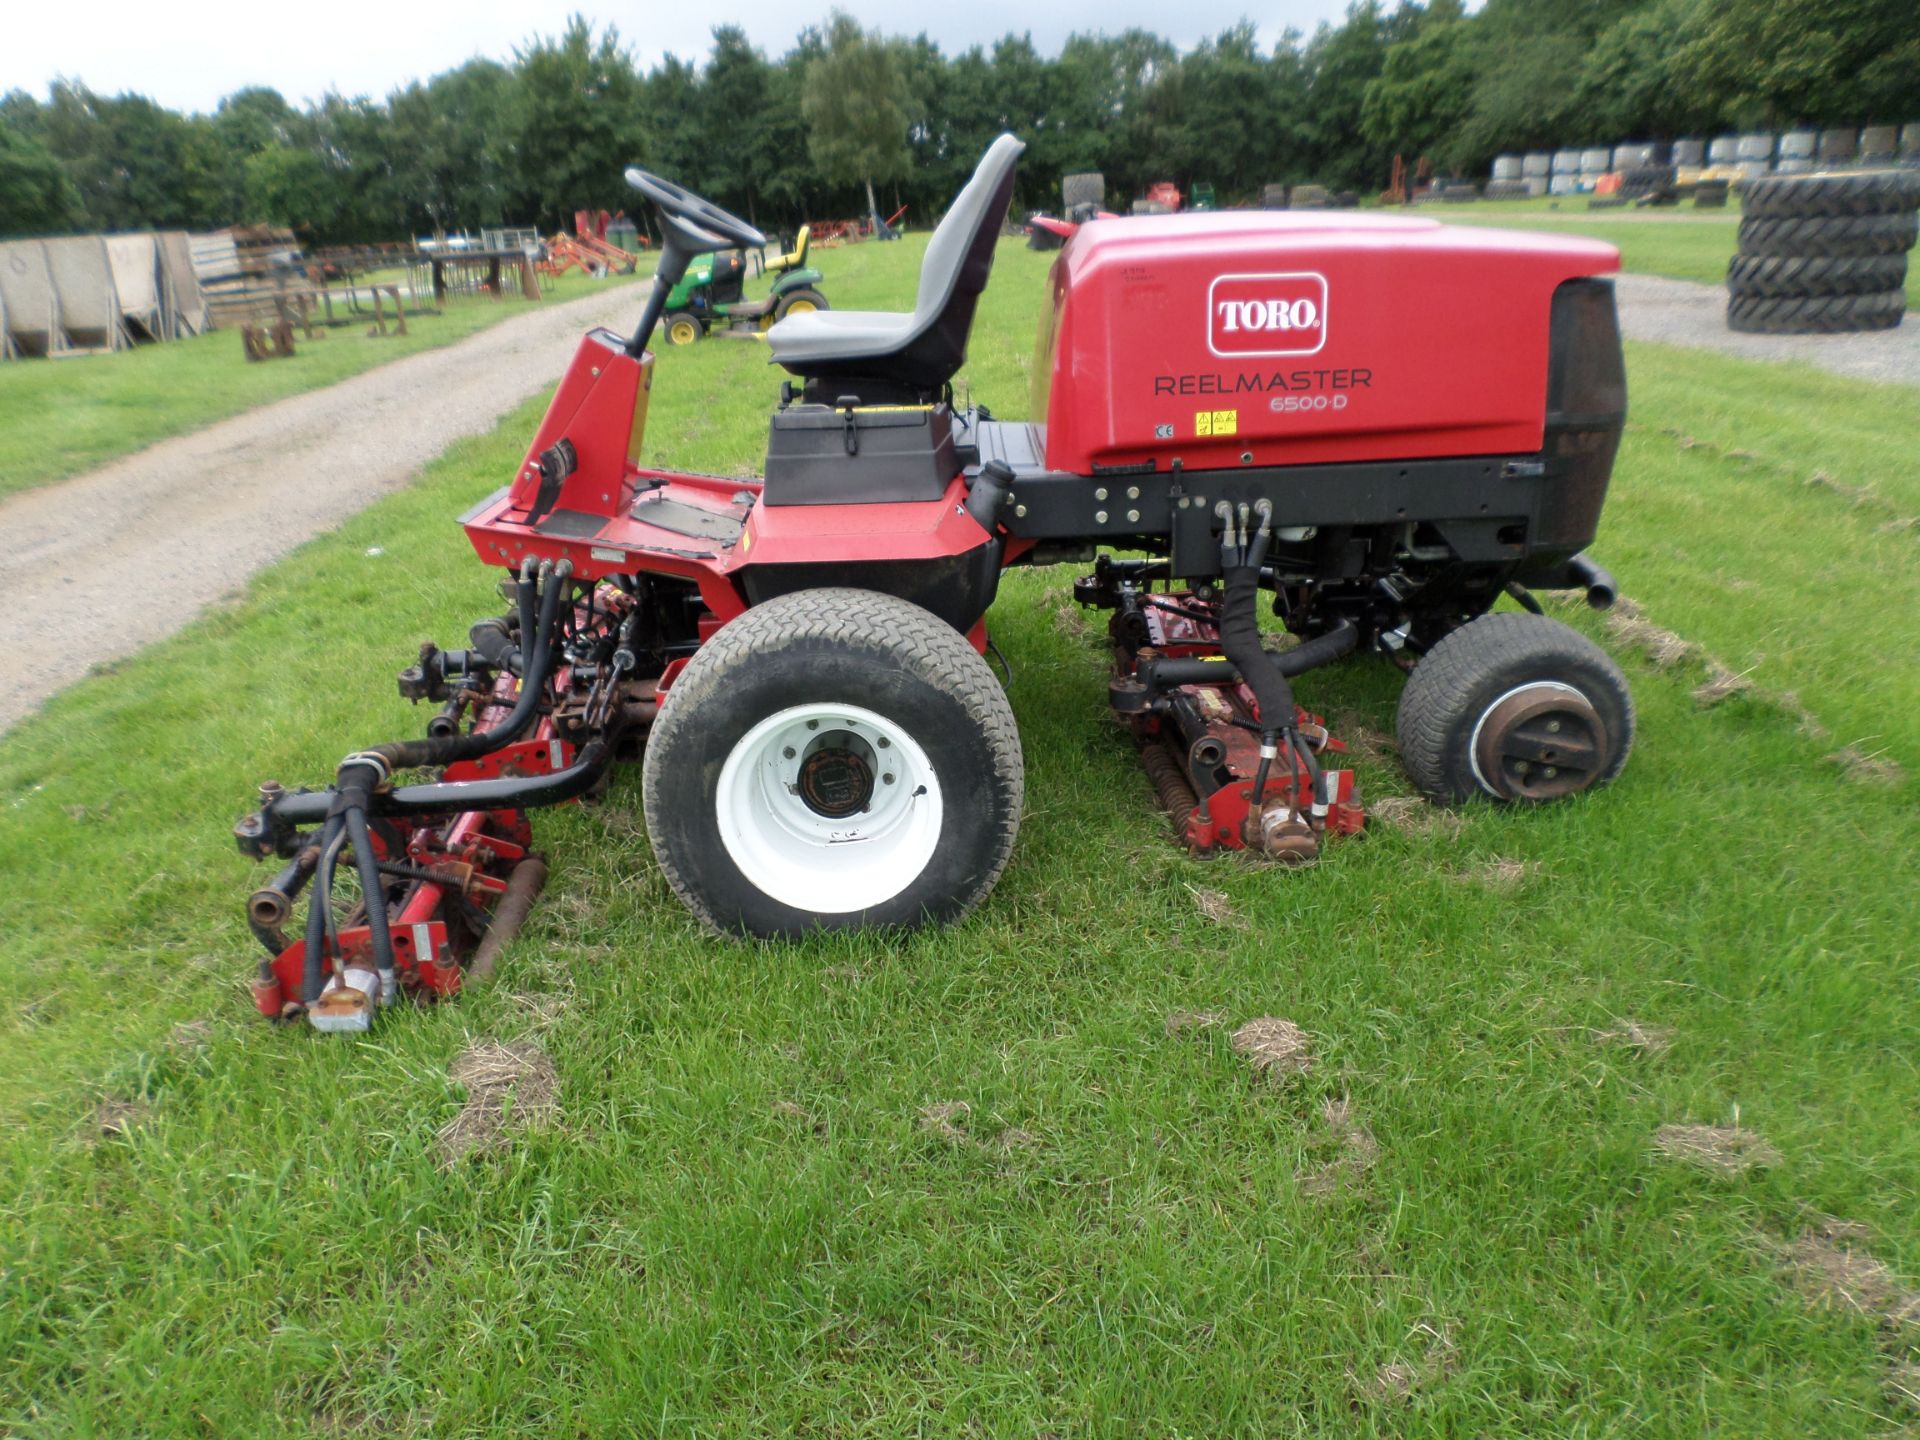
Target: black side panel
958, 589
821, 456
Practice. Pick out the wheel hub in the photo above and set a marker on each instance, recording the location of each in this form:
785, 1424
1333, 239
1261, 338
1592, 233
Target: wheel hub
1539, 742
836, 778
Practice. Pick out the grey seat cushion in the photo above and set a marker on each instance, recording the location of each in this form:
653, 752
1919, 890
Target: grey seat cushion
818, 333
843, 335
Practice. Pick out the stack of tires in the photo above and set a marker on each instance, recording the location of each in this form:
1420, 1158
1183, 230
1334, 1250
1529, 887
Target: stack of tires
1823, 254
1083, 195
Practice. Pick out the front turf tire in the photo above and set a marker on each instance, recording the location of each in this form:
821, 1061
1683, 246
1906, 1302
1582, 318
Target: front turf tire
831, 760
1517, 709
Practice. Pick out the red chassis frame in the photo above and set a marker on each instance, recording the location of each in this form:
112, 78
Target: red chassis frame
586, 517
600, 410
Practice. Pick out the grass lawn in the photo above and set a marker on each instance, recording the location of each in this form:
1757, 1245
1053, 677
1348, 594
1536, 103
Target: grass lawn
59, 418
973, 1181
1681, 243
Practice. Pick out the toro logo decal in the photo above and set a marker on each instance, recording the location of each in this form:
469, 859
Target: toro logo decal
1267, 314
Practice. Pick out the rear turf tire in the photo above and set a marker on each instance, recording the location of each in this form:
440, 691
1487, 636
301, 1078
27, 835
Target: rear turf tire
1501, 702
765, 779
683, 327
802, 300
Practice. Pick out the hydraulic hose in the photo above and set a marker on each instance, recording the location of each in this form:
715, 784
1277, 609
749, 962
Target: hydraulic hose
1240, 642
373, 891
311, 973
1341, 640
408, 754
518, 792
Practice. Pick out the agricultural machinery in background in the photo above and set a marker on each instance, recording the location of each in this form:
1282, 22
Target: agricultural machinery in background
1372, 426
591, 248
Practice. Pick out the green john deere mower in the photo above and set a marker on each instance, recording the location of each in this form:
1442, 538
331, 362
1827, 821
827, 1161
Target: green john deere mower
713, 293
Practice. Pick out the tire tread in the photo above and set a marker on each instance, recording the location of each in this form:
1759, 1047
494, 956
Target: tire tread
1816, 314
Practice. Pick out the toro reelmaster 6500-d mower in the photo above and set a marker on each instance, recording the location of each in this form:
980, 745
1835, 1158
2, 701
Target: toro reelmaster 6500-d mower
1380, 423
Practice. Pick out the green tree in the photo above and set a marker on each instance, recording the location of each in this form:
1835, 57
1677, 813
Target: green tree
856, 109
36, 197
1208, 115
579, 122
1424, 90
448, 151
1823, 62
736, 95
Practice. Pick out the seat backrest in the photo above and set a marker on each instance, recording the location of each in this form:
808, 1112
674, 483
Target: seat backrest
961, 251
911, 362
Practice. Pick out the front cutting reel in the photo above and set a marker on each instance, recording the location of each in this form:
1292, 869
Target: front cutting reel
443, 873
1236, 764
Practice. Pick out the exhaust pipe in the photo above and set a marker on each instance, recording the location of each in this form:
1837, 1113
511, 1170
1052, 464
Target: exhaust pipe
1602, 590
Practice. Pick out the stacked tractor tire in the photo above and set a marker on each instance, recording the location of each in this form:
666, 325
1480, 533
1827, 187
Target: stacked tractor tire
1823, 254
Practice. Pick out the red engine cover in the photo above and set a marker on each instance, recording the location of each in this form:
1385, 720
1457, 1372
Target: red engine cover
1275, 338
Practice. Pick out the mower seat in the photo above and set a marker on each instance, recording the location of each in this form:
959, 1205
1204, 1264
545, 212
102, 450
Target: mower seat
880, 354
795, 258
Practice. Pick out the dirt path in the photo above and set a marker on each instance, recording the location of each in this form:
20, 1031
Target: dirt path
141, 546
1680, 312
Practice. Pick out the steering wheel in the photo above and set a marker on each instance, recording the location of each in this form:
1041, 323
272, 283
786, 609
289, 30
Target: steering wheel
710, 226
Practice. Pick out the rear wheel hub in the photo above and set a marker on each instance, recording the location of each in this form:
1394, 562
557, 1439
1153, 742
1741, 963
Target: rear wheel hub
1539, 742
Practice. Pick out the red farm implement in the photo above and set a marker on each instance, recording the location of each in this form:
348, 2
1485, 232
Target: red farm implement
1373, 426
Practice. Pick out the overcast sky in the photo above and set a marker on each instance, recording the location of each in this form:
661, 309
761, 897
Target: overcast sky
189, 53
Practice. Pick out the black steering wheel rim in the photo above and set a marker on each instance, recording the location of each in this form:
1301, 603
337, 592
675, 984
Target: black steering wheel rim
683, 205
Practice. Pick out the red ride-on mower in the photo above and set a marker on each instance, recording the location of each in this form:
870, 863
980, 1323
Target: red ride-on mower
1376, 425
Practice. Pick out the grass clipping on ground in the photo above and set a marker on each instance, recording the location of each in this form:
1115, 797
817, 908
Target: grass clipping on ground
509, 1087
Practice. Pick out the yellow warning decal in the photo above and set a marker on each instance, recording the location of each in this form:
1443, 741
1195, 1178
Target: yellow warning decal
1216, 422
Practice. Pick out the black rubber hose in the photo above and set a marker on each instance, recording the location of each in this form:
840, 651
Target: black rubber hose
1602, 588
524, 599
518, 792
1240, 641
373, 890
1308, 655
493, 643
311, 977
409, 754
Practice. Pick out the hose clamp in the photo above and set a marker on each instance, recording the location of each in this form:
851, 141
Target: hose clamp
374, 761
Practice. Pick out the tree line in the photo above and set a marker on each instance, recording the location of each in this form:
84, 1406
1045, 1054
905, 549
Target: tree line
846, 113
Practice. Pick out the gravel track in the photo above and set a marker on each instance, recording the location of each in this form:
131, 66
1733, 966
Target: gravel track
143, 545
1681, 312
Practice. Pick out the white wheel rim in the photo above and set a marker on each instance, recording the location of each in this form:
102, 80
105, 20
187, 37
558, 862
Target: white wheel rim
848, 856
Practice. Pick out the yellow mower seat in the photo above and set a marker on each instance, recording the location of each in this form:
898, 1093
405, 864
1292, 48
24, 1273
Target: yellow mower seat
795, 258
